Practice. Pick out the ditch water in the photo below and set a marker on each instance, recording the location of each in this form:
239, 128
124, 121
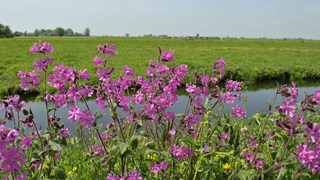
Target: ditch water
256, 102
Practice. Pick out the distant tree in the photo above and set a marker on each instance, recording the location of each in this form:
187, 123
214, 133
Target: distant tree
127, 34
86, 32
36, 32
60, 31
69, 32
197, 35
25, 33
78, 34
5, 31
17, 33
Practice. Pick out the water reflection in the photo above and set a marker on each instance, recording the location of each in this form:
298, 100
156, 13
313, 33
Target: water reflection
256, 101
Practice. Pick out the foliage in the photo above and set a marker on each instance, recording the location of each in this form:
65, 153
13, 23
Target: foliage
5, 31
249, 60
152, 142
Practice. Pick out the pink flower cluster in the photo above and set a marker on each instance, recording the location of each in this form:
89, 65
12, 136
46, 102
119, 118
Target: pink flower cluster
85, 118
181, 152
158, 166
41, 48
134, 175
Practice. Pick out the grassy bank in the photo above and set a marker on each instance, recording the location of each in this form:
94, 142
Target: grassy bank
247, 59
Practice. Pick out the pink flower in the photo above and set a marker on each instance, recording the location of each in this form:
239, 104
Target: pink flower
107, 49
220, 64
97, 61
12, 160
84, 74
238, 112
181, 152
172, 132
12, 135
228, 98
225, 136
167, 56
86, 118
158, 166
288, 107
41, 48
74, 113
134, 175
25, 142
113, 177
64, 133
259, 164
206, 148
233, 86
170, 116
191, 88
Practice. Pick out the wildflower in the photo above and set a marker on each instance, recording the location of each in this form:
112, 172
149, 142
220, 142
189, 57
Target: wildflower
288, 107
86, 118
226, 166
113, 177
157, 167
167, 56
170, 116
97, 61
225, 136
233, 86
259, 164
244, 128
12, 135
11, 160
238, 112
25, 142
84, 74
249, 156
152, 156
41, 48
220, 64
181, 152
206, 148
64, 133
313, 132
134, 175
172, 132
228, 98
316, 97
74, 113
107, 49
190, 88
128, 71
21, 176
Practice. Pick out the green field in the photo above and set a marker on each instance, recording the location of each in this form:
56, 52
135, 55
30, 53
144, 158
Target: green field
251, 60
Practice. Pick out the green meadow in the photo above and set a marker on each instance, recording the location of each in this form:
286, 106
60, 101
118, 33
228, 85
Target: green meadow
249, 60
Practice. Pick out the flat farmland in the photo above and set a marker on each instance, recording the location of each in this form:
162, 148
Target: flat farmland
249, 60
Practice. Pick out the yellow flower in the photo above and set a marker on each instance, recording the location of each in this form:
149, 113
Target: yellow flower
152, 156
226, 166
69, 173
74, 169
237, 163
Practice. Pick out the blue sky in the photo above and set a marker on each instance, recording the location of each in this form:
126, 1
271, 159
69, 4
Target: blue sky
234, 18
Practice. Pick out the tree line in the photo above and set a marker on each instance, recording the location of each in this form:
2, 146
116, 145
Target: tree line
6, 32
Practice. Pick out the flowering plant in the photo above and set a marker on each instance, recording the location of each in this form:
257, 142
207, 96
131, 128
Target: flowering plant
143, 138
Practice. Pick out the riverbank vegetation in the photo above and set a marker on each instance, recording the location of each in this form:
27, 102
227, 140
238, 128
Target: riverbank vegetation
152, 142
249, 60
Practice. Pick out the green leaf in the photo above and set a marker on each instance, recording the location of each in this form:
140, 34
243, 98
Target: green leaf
134, 143
37, 98
123, 148
59, 172
55, 145
282, 173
